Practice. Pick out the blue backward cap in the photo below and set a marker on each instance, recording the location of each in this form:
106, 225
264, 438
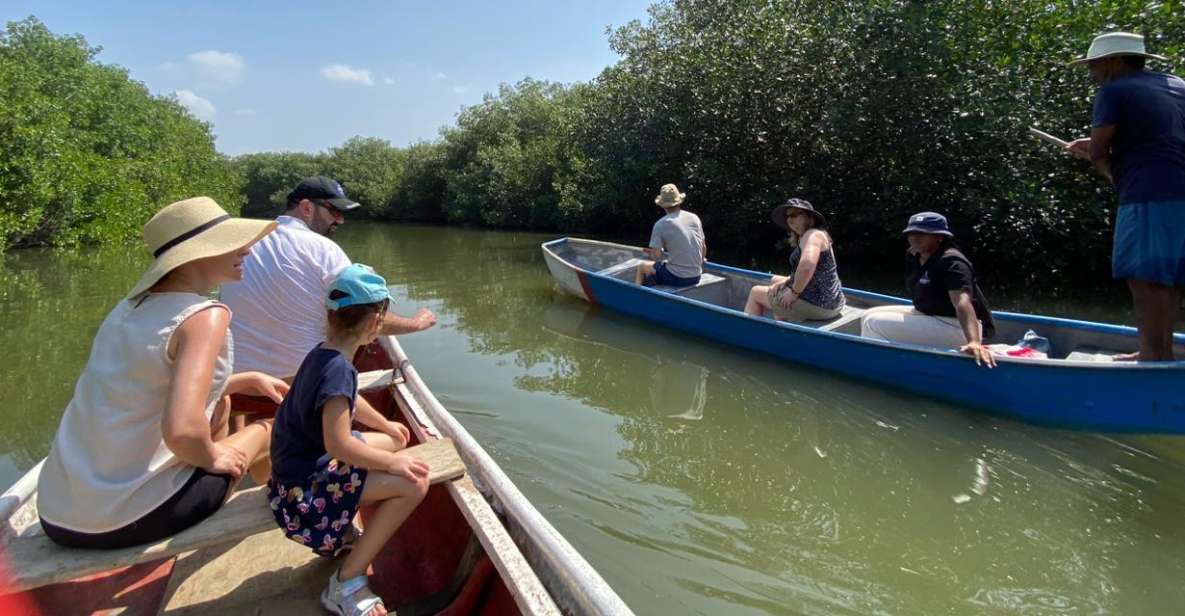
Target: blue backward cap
355, 285
928, 222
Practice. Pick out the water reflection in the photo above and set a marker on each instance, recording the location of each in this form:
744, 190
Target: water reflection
768, 488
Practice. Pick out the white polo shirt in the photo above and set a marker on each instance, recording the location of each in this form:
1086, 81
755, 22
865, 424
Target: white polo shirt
278, 307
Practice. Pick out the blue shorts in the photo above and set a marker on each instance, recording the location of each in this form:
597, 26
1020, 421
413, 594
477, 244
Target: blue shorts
1150, 243
663, 277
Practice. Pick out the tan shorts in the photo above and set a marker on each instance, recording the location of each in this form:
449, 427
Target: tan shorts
800, 310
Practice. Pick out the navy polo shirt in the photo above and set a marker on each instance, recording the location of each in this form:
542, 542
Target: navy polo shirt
298, 443
1148, 151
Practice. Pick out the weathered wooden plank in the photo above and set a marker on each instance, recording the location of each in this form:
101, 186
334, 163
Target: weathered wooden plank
35, 561
376, 379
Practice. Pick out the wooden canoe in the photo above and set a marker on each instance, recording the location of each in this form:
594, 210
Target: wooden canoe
475, 545
1076, 387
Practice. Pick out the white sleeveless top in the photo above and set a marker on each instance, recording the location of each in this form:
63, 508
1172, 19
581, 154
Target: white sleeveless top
108, 465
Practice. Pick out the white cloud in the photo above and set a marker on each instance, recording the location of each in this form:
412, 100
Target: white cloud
460, 89
346, 74
246, 111
200, 107
221, 66
389, 81
441, 76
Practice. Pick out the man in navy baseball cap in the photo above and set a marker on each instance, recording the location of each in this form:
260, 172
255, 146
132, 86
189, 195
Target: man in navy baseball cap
279, 305
322, 191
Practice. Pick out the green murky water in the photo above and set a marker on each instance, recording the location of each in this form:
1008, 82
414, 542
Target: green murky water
697, 478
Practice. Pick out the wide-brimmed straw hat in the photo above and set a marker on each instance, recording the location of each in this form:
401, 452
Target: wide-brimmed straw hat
1116, 44
194, 229
669, 196
778, 216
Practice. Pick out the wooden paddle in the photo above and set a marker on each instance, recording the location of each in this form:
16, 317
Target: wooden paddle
1044, 136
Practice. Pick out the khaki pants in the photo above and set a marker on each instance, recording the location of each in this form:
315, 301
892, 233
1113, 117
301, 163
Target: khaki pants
801, 310
904, 324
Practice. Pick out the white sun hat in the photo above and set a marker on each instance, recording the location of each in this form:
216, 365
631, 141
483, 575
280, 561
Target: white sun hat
194, 229
1116, 44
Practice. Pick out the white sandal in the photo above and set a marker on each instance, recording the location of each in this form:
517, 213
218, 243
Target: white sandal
350, 597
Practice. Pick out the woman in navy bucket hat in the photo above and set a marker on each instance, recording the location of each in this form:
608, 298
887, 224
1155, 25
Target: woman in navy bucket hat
949, 309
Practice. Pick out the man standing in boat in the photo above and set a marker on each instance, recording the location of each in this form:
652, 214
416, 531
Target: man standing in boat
278, 307
680, 236
1138, 143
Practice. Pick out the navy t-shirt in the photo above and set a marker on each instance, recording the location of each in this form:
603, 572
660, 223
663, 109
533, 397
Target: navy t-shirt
298, 443
1148, 151
930, 285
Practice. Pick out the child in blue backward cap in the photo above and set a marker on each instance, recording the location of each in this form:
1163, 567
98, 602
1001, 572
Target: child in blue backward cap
321, 470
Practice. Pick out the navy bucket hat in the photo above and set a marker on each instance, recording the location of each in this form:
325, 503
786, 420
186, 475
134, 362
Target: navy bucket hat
928, 222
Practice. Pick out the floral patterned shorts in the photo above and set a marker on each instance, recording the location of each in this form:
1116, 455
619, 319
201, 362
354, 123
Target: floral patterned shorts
319, 511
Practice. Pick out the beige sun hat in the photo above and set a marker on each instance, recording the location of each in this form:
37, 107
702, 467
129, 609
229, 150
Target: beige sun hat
669, 196
1116, 44
194, 229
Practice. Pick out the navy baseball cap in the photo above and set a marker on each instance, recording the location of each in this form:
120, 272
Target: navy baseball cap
325, 189
928, 222
356, 285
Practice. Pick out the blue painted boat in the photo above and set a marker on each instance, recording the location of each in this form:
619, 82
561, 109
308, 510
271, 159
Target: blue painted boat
1077, 386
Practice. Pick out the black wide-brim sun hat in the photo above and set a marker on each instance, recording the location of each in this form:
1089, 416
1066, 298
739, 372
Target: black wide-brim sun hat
778, 216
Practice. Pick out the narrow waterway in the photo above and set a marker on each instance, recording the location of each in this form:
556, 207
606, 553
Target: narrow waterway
699, 479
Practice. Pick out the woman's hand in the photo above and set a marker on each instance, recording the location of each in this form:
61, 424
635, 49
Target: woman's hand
412, 469
787, 299
227, 460
259, 384
983, 357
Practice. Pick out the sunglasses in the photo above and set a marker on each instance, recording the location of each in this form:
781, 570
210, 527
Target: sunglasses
329, 206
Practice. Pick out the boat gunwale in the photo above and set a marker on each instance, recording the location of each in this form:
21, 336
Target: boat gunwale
594, 595
1028, 362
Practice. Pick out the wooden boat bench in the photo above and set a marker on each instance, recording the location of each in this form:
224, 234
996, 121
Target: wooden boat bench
33, 560
705, 280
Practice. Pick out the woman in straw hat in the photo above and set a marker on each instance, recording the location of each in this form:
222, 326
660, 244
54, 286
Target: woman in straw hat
813, 291
142, 451
1138, 143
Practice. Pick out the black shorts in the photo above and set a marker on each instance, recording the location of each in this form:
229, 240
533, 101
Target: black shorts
200, 497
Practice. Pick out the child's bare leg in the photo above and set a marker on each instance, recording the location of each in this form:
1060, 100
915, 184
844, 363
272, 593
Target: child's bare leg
382, 441
253, 441
397, 498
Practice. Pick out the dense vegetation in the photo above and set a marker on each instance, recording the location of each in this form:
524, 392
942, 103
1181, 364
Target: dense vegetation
871, 109
86, 153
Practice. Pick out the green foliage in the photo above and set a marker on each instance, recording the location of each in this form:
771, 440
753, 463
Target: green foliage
269, 176
872, 110
89, 155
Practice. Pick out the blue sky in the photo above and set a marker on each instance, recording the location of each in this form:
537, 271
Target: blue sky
304, 76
